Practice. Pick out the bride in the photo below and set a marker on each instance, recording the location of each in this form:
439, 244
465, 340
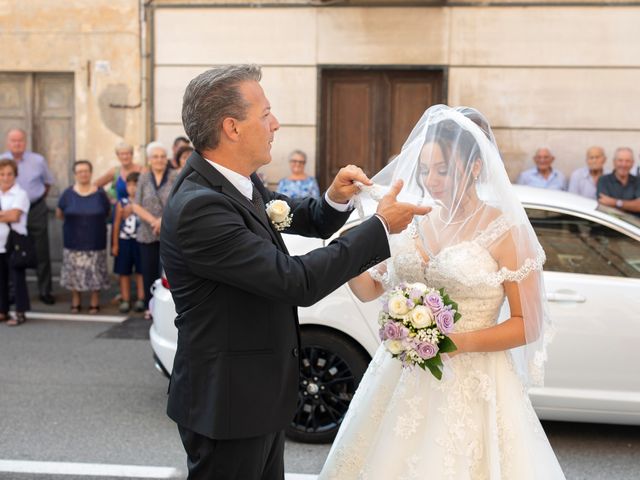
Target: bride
477, 422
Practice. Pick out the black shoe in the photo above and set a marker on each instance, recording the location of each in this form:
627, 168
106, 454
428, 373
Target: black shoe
47, 299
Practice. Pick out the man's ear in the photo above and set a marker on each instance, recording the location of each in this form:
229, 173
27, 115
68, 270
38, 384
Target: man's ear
230, 129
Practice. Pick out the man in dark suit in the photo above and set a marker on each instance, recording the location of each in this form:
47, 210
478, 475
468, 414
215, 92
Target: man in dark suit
235, 375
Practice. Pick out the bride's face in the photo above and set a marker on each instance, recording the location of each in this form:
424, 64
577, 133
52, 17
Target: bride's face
438, 175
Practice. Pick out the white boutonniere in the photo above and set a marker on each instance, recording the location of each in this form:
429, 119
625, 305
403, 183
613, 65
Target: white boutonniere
278, 213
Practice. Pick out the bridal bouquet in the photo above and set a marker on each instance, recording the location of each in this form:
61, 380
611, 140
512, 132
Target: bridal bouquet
414, 323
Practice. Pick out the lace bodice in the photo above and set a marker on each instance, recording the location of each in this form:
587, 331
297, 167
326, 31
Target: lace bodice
467, 270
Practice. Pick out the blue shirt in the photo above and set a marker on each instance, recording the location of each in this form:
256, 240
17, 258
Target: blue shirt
85, 220
582, 183
299, 188
128, 226
533, 178
33, 174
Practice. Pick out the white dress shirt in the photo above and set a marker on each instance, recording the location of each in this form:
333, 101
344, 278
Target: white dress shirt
15, 197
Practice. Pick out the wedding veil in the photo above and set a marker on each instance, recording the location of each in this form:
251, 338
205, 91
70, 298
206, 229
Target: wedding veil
451, 161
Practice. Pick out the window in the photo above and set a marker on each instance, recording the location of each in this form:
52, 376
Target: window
576, 245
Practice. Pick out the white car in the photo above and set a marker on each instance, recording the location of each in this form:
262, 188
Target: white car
592, 277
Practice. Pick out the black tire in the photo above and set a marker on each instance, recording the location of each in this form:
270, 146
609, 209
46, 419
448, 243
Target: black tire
332, 366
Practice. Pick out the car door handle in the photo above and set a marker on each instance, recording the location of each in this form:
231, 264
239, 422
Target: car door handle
568, 296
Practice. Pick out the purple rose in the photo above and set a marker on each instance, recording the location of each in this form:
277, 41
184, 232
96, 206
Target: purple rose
444, 321
434, 302
393, 331
426, 350
410, 303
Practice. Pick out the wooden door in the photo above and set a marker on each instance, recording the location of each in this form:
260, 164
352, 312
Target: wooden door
366, 115
42, 104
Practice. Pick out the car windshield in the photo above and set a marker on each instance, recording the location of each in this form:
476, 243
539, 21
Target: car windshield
614, 212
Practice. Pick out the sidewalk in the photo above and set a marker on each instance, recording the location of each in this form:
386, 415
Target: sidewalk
108, 304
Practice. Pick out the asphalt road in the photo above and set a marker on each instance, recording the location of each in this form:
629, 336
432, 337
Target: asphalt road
87, 393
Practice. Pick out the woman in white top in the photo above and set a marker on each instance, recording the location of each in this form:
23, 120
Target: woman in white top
14, 204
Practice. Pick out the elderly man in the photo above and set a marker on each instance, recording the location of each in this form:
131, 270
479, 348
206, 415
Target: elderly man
584, 180
620, 189
35, 178
543, 175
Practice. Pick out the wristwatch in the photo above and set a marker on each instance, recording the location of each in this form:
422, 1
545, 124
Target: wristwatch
619, 203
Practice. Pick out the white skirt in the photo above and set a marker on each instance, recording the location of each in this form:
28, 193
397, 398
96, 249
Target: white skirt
476, 423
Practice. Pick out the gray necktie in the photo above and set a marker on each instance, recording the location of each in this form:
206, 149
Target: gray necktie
258, 202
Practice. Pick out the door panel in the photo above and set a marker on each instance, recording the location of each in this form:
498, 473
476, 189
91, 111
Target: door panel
53, 124
15, 103
366, 115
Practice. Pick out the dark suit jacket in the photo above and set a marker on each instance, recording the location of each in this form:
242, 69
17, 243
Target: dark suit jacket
236, 289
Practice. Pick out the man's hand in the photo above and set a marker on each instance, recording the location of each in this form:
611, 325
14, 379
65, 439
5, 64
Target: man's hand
342, 188
607, 200
398, 215
114, 250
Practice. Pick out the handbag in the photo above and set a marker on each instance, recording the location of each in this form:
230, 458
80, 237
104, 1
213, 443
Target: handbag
21, 250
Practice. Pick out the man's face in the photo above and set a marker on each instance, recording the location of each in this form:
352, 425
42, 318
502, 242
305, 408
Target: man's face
623, 162
543, 159
16, 143
595, 158
258, 128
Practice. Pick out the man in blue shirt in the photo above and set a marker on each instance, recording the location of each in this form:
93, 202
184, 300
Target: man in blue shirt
543, 175
585, 179
35, 178
620, 189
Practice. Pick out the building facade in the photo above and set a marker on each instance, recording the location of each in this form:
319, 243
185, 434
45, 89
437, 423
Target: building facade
70, 76
348, 79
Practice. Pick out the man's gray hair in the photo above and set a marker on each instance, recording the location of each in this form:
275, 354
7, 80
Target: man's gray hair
622, 149
210, 98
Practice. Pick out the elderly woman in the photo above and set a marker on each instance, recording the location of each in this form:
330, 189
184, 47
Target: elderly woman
117, 175
298, 184
151, 197
84, 208
14, 204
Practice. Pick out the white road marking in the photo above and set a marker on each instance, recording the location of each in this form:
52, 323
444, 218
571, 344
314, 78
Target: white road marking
76, 317
92, 469
106, 470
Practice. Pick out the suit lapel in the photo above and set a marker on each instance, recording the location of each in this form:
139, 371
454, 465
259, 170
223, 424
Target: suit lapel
216, 179
266, 197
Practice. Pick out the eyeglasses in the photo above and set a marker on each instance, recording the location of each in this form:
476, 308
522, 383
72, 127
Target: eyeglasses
298, 161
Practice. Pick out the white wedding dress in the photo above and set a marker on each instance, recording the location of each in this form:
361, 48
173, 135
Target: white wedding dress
476, 423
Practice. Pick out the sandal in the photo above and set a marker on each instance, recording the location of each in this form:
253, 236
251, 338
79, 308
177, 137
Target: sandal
17, 320
93, 309
75, 308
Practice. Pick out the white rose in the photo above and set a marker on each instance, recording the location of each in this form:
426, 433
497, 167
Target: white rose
398, 306
278, 210
418, 286
421, 316
394, 346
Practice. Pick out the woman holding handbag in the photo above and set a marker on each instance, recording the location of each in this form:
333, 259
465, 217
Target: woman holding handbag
14, 204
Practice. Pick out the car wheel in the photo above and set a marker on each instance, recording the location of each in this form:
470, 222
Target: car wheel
331, 367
